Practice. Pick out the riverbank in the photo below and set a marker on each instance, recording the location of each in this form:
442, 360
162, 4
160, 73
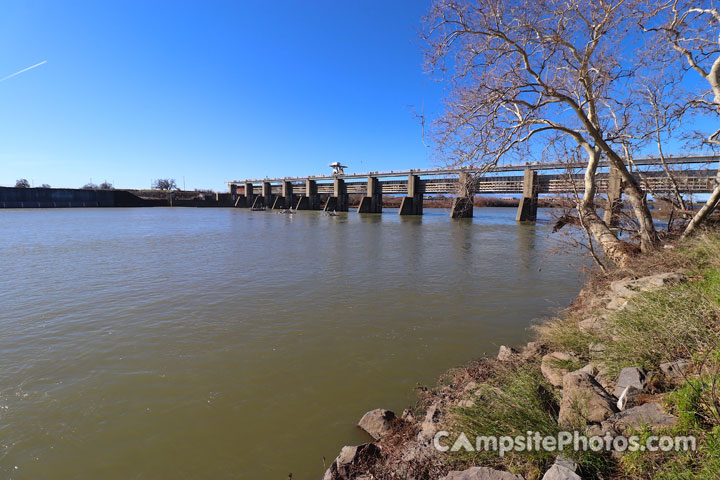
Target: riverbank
636, 353
107, 198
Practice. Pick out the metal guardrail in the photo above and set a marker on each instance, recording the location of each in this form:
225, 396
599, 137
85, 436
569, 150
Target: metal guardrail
691, 181
644, 161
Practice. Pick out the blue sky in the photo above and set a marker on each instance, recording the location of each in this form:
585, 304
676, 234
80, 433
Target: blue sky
206, 92
209, 91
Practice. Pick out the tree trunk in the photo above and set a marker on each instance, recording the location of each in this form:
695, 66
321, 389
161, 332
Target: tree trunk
613, 248
706, 209
649, 239
714, 79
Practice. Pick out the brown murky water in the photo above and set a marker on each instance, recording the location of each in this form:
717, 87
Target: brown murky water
221, 343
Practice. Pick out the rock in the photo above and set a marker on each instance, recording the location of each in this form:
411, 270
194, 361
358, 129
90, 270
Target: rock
466, 403
584, 399
629, 287
675, 370
592, 325
617, 303
594, 430
628, 398
532, 350
553, 369
653, 282
471, 387
622, 288
590, 369
407, 416
597, 348
416, 453
631, 377
651, 414
481, 473
341, 468
560, 472
506, 353
428, 427
566, 463
378, 422
603, 377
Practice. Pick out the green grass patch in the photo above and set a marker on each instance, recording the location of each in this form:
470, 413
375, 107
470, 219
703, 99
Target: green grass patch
700, 464
701, 252
569, 365
564, 335
514, 402
661, 326
697, 401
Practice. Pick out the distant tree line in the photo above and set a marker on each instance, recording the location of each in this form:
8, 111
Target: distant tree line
165, 184
103, 186
24, 183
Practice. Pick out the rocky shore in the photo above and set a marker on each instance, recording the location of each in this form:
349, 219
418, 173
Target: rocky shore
619, 361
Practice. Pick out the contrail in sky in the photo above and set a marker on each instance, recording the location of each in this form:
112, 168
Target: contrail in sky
23, 71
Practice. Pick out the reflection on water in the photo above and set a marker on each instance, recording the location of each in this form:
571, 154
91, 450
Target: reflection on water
221, 343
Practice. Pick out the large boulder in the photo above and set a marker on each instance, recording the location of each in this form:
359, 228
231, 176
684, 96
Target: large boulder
378, 422
350, 457
555, 365
584, 400
650, 414
631, 377
481, 473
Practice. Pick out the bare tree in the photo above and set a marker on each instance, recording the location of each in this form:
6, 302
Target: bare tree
165, 184
690, 29
667, 111
90, 186
22, 183
534, 71
106, 185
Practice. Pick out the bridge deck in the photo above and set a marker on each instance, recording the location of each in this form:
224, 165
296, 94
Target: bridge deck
691, 181
455, 172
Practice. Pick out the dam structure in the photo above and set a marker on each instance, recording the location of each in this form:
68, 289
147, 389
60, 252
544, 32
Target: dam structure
528, 180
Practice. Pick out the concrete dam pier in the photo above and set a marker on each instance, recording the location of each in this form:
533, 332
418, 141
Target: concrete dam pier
529, 181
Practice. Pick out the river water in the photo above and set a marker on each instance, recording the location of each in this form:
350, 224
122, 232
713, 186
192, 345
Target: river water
222, 343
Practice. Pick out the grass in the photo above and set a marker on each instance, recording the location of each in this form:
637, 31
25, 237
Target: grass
569, 365
662, 326
695, 402
564, 335
674, 322
671, 323
515, 401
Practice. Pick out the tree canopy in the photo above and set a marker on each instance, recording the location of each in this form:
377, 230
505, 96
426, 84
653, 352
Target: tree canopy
563, 80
